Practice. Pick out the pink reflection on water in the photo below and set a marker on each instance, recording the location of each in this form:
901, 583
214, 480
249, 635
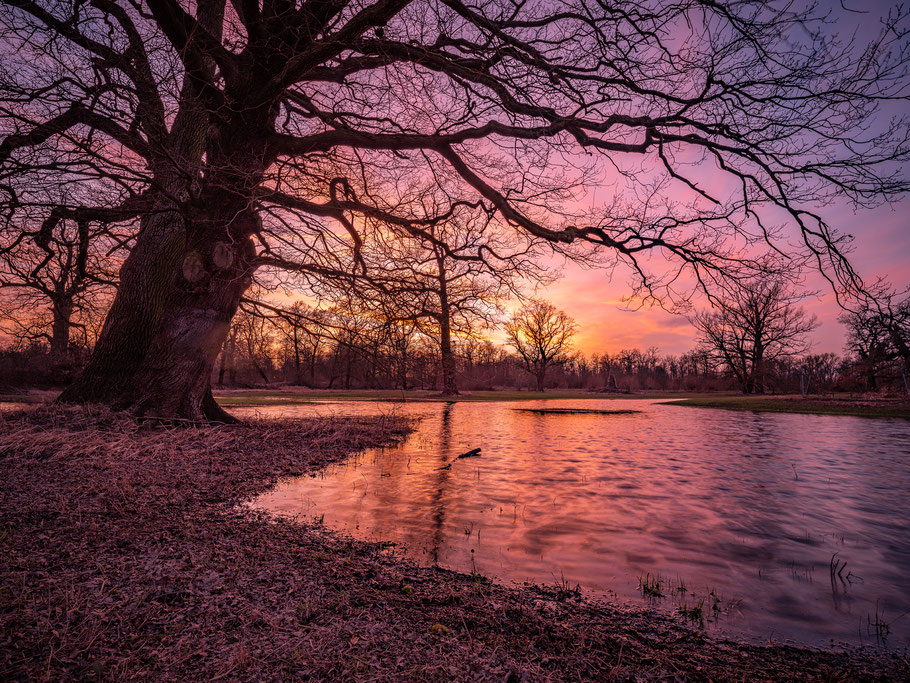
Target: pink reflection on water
744, 510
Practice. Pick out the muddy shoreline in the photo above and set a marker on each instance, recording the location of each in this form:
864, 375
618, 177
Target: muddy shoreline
125, 555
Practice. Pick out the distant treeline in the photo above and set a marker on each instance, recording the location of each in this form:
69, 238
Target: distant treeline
263, 351
253, 357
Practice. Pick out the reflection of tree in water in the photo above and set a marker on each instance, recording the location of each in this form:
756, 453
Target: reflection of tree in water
442, 478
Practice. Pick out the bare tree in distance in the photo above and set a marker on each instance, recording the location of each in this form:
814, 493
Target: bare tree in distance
249, 135
818, 371
450, 284
302, 341
542, 335
894, 313
753, 326
878, 332
867, 342
57, 281
356, 335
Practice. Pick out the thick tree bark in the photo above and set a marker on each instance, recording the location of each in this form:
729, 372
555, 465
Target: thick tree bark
133, 320
148, 273
541, 375
174, 378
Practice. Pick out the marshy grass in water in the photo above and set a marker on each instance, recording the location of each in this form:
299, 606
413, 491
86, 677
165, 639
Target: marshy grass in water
651, 585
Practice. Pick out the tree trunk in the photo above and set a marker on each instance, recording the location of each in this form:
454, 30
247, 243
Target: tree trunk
900, 344
297, 378
148, 273
223, 365
163, 334
869, 373
447, 356
60, 329
447, 362
313, 363
232, 365
131, 323
403, 370
227, 358
758, 366
174, 378
333, 372
541, 375
372, 365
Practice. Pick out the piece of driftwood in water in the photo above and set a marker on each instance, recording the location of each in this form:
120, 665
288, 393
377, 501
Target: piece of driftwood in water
473, 453
574, 411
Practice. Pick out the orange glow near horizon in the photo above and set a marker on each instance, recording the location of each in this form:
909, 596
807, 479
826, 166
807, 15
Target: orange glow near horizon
606, 323
882, 249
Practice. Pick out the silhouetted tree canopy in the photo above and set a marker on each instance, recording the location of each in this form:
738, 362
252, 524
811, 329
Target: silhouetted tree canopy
542, 336
878, 334
752, 327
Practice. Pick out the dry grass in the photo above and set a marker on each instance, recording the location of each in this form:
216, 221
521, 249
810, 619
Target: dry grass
124, 556
868, 406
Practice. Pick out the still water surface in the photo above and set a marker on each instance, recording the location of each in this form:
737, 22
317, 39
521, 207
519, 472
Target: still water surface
746, 511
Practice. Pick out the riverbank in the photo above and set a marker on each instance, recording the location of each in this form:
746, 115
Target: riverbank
858, 406
861, 405
126, 556
831, 404
296, 395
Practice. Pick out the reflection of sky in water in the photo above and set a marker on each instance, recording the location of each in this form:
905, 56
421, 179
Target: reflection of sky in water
751, 505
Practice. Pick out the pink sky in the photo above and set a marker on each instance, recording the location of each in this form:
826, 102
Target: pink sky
882, 248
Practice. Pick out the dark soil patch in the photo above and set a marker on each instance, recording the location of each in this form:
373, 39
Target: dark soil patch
125, 555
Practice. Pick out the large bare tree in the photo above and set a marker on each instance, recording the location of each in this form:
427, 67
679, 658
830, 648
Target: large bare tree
542, 335
752, 327
246, 135
878, 332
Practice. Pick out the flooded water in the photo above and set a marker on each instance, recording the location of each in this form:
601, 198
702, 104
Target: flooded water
764, 526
